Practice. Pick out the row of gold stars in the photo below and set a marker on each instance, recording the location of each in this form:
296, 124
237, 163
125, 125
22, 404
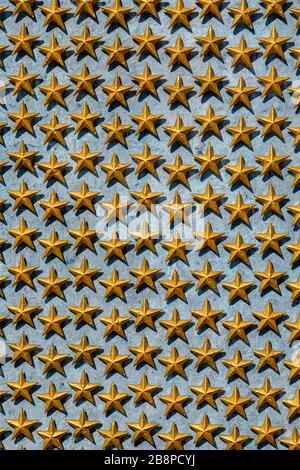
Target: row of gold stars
274, 45
118, 14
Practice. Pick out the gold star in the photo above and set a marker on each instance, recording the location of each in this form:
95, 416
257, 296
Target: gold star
273, 7
236, 366
239, 210
53, 14
179, 14
144, 314
114, 323
114, 285
206, 355
83, 389
174, 363
242, 14
84, 312
54, 91
84, 81
114, 247
294, 367
143, 390
179, 53
83, 274
296, 95
210, 43
54, 130
294, 286
237, 327
23, 6
241, 132
210, 7
84, 198
22, 272
235, 440
238, 288
270, 240
83, 351
146, 81
53, 245
272, 123
147, 6
274, 44
266, 395
271, 201
23, 80
174, 439
209, 82
112, 436
144, 352
23, 234
269, 278
175, 286
143, 429
52, 435
209, 199
144, 238
295, 210
144, 275
235, 403
240, 93
238, 249
210, 121
114, 361
178, 92
266, 432
178, 132
53, 322
268, 318
292, 442
54, 52
85, 42
85, 6
21, 388
53, 360
272, 82
296, 12
208, 238
23, 158
205, 393
147, 42
267, 356
242, 53
205, 431
85, 159
271, 162
23, 311
116, 52
116, 13
240, 171
145, 161
176, 248
145, 197
175, 326
53, 284
113, 399
209, 161
22, 41
206, 316
83, 426
85, 119
294, 328
22, 119
115, 209
53, 399
116, 130
53, 207
207, 277
116, 92
146, 121
293, 404
22, 426
295, 248
22, 350
83, 236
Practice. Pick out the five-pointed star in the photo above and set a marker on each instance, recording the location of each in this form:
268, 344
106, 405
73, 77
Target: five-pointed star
85, 6
54, 91
114, 247
205, 393
83, 426
53, 284
206, 355
179, 53
238, 249
147, 6
85, 159
143, 352
175, 326
235, 403
237, 366
84, 351
84, 312
209, 199
210, 122
23, 350
293, 405
272, 82
85, 42
23, 312
22, 119
54, 13
146, 121
23, 41
175, 364
53, 360
274, 44
116, 52
271, 201
22, 426
116, 92
267, 395
147, 42
52, 436
294, 286
178, 92
210, 7
270, 240
114, 285
209, 161
23, 80
235, 440
83, 275
240, 93
295, 249
273, 7
85, 119
294, 328
178, 132
242, 14
242, 53
54, 130
146, 81
144, 275
173, 439
53, 207
114, 361
53, 399
179, 14
241, 133
175, 286
145, 197
112, 436
22, 272
178, 171
115, 323
239, 210
240, 172
144, 238
83, 236
21, 388
210, 43
272, 123
113, 399
207, 277
271, 162
266, 432
209, 82
23, 158
206, 316
53, 322
144, 314
295, 210
208, 238
84, 198
116, 130
293, 441
83, 389
143, 429
116, 13
238, 287
54, 52
237, 327
115, 209
143, 390
84, 81
205, 430
267, 356
268, 318
23, 234
176, 248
